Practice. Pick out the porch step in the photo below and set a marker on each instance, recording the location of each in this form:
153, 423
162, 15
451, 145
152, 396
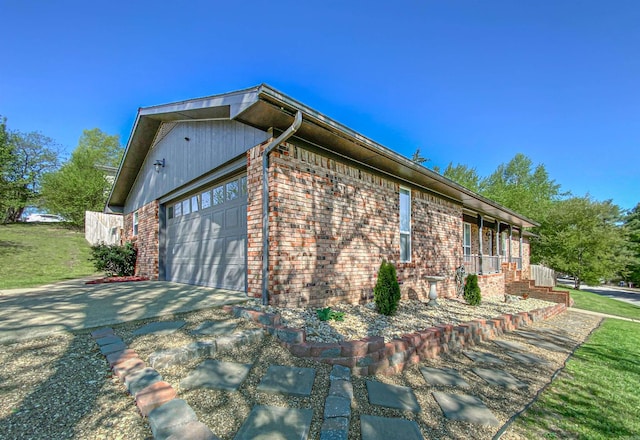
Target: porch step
521, 287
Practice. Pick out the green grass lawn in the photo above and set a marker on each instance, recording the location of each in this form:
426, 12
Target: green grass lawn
596, 303
596, 397
35, 254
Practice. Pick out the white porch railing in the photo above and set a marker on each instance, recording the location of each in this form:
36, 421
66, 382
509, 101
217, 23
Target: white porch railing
490, 263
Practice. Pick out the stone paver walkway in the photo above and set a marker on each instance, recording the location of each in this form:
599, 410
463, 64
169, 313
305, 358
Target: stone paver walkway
216, 375
443, 377
280, 379
385, 428
271, 422
465, 408
392, 396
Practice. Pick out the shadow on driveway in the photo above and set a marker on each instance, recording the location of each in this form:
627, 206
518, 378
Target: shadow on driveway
28, 313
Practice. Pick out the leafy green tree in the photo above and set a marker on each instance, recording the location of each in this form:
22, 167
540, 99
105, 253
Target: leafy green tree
6, 154
472, 293
30, 156
81, 183
463, 175
582, 238
632, 225
386, 293
418, 158
521, 187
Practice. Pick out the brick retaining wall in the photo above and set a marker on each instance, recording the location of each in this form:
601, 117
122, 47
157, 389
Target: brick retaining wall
372, 355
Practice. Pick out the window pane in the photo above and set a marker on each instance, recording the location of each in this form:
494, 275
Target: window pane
178, 209
218, 195
405, 210
205, 198
233, 189
243, 185
194, 203
170, 212
405, 247
185, 207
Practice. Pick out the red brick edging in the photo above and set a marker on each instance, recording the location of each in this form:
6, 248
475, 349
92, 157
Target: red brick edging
372, 355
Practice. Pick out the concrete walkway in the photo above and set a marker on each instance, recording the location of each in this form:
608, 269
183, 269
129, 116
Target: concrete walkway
603, 315
74, 305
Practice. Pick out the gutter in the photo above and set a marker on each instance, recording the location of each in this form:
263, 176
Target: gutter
265, 201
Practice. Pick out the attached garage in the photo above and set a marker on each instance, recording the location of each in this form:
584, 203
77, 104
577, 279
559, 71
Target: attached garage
206, 236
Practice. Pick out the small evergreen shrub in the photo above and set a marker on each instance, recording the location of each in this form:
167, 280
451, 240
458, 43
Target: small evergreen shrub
114, 260
327, 314
472, 290
386, 293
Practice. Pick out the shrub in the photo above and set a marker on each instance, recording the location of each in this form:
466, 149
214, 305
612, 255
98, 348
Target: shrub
327, 314
114, 260
472, 290
386, 293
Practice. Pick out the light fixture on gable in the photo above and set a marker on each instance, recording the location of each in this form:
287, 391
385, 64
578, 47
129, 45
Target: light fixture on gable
158, 164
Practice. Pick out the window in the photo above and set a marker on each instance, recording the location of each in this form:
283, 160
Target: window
194, 204
218, 195
243, 185
186, 205
205, 197
466, 240
503, 243
405, 225
177, 209
233, 190
170, 212
135, 223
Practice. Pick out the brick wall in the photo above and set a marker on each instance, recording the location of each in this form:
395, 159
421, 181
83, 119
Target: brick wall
146, 241
331, 224
491, 285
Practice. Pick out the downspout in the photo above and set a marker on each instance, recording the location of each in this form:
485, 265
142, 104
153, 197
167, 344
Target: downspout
265, 201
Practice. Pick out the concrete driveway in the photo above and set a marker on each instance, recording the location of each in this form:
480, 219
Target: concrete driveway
74, 305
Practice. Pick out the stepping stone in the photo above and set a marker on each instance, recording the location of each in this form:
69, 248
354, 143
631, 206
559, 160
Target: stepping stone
215, 328
159, 328
384, 428
141, 379
341, 388
509, 345
499, 378
166, 419
392, 396
217, 375
526, 358
270, 422
465, 408
106, 340
339, 372
479, 356
288, 380
443, 377
529, 335
336, 406
335, 428
547, 345
113, 348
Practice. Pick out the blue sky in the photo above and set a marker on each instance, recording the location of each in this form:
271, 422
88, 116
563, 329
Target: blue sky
472, 82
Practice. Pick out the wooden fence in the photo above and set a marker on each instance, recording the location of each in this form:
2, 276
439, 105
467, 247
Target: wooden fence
102, 228
543, 276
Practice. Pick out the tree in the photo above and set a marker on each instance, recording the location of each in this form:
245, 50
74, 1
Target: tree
6, 155
582, 238
418, 158
463, 175
30, 156
81, 184
521, 188
632, 226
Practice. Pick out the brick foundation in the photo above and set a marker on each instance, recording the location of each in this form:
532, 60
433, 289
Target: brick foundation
529, 288
371, 355
147, 263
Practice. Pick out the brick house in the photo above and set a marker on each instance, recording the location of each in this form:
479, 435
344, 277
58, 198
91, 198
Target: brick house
191, 189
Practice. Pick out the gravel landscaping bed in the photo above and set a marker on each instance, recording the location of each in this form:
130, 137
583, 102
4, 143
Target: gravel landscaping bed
60, 387
362, 321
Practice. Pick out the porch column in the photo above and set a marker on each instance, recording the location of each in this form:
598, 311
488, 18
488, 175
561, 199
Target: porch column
520, 251
480, 251
510, 237
498, 243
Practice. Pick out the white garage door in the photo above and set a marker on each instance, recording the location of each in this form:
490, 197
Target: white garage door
206, 237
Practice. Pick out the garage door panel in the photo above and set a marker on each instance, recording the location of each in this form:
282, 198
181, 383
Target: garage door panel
208, 247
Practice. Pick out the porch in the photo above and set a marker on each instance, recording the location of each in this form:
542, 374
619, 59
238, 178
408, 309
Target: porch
487, 264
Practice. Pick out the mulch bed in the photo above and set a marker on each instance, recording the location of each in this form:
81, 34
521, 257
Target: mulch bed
117, 280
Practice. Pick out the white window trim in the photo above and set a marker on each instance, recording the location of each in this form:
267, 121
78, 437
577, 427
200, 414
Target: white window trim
466, 227
135, 224
407, 233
